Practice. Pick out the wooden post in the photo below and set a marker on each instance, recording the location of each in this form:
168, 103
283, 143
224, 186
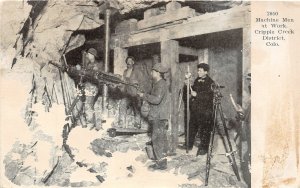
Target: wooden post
246, 64
106, 60
120, 55
203, 56
170, 58
188, 51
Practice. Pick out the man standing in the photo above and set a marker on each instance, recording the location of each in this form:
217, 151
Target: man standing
128, 73
244, 117
90, 89
130, 99
201, 109
159, 113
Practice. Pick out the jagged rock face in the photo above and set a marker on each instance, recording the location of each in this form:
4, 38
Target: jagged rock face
22, 168
44, 32
11, 25
128, 5
40, 32
47, 33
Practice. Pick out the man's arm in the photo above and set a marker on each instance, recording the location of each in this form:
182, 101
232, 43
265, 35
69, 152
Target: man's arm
158, 94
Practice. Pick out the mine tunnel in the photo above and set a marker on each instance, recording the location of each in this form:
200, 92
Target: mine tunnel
103, 112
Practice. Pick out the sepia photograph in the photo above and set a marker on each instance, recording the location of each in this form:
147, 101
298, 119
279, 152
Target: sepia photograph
144, 93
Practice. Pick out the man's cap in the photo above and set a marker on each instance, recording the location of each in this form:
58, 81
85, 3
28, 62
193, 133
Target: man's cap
160, 68
93, 51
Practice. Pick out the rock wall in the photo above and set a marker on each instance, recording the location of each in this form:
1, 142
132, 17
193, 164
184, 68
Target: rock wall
225, 60
38, 32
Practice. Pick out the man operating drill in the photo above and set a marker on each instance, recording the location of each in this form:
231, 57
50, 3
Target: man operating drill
159, 100
90, 89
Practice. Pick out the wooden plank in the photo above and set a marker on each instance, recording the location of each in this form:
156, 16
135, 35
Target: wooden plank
166, 25
232, 11
170, 58
148, 37
204, 24
126, 26
188, 51
215, 24
183, 13
203, 56
246, 65
120, 55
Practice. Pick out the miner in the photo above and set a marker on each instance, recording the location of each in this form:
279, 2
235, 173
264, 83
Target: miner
130, 99
244, 116
159, 101
201, 109
90, 89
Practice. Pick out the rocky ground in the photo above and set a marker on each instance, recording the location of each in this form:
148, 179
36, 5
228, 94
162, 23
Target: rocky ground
122, 160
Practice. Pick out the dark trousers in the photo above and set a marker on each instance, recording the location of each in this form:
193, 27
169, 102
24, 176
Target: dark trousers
159, 137
201, 122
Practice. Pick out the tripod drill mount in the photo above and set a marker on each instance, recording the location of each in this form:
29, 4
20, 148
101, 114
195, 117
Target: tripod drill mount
217, 111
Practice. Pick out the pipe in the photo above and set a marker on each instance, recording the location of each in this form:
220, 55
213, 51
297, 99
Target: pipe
106, 58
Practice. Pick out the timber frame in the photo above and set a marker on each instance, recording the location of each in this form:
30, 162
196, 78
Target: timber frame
167, 35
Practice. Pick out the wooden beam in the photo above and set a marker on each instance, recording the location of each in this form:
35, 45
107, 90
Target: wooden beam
203, 56
232, 11
246, 65
208, 23
170, 58
188, 51
148, 37
126, 26
246, 60
120, 55
158, 26
211, 25
179, 14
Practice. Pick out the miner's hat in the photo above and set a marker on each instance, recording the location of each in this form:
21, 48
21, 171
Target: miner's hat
160, 68
93, 51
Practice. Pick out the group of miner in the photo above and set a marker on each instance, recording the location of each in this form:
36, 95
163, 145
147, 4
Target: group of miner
200, 106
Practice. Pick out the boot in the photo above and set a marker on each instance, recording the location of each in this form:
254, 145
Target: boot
185, 147
201, 152
159, 165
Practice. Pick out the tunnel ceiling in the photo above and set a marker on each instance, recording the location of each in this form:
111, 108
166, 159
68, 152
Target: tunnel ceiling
55, 27
135, 9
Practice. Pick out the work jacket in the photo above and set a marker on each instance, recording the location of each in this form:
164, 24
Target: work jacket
159, 100
203, 101
133, 79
